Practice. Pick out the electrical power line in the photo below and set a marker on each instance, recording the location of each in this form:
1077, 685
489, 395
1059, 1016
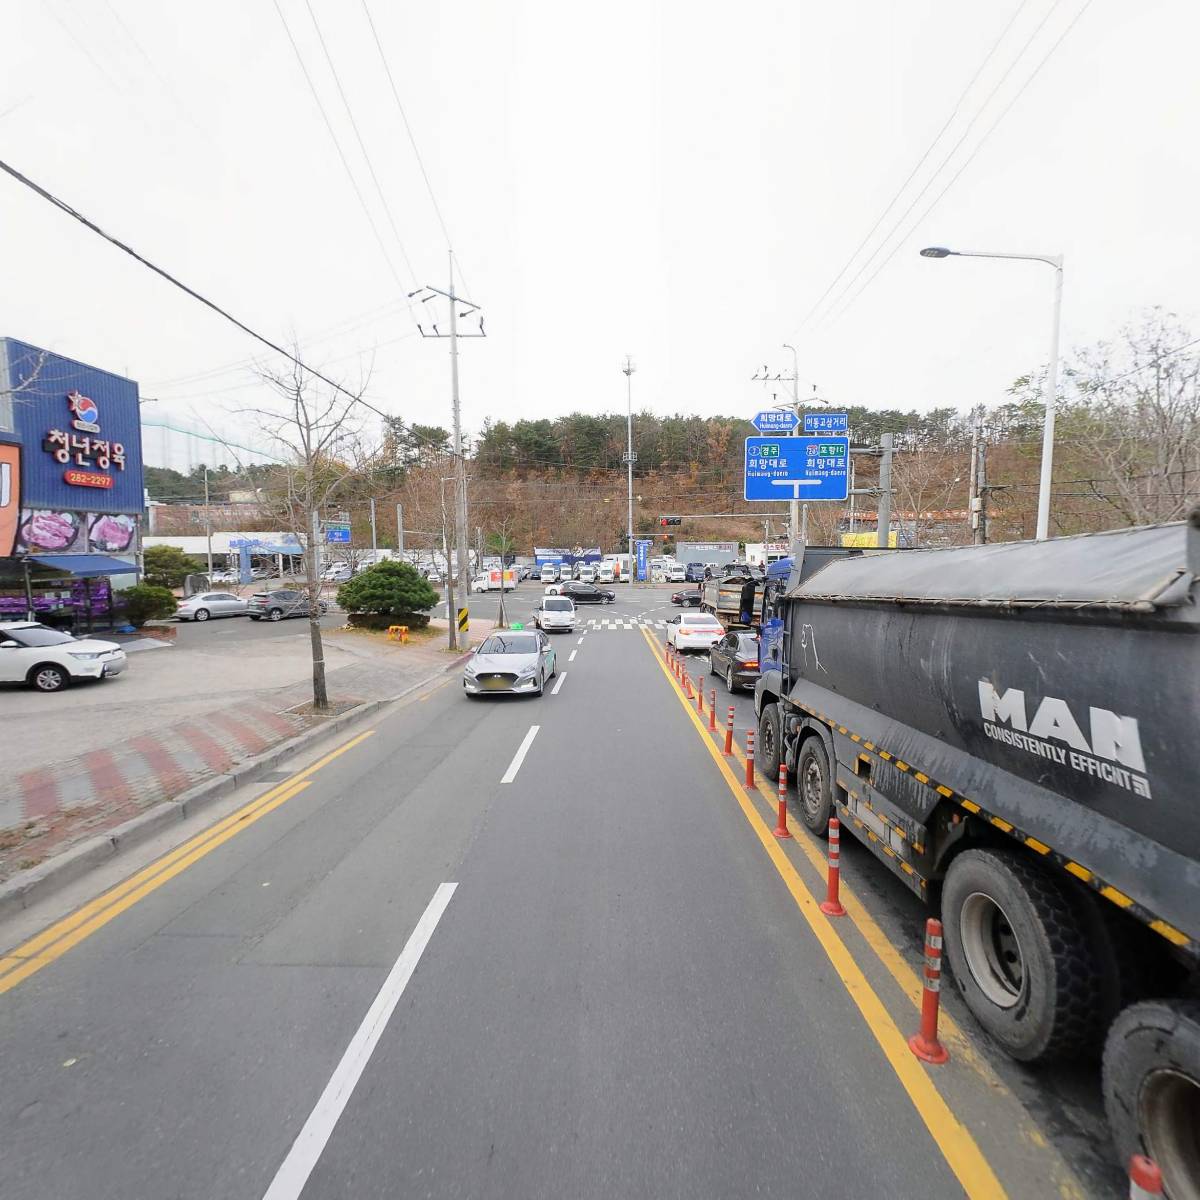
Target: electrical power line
63, 206
387, 208
233, 366
404, 288
412, 141
920, 162
953, 151
970, 158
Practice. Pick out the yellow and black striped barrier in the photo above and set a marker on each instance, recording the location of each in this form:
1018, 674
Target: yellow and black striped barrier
462, 620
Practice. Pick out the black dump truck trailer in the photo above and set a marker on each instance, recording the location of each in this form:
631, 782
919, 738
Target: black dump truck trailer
1012, 730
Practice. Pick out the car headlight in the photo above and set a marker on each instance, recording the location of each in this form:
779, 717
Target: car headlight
469, 669
82, 654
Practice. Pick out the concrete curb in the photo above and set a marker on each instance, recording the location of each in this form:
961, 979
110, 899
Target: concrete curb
28, 887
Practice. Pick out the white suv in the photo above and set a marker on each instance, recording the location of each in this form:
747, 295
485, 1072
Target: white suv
48, 659
555, 614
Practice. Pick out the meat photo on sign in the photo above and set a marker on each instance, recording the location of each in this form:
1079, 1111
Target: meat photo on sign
45, 531
112, 533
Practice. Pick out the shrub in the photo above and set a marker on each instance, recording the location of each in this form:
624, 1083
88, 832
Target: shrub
147, 602
391, 589
166, 566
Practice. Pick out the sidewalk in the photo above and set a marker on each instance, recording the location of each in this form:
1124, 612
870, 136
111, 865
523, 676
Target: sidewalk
139, 751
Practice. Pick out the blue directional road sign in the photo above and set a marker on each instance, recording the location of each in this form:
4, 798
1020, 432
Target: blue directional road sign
775, 420
797, 468
337, 532
826, 422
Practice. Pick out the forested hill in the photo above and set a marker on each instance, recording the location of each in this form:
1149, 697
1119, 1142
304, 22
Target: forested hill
673, 443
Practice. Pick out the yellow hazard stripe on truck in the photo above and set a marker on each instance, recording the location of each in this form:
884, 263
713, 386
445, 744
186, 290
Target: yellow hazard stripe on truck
1126, 903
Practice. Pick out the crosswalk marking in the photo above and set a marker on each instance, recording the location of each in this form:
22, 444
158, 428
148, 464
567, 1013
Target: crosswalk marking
600, 623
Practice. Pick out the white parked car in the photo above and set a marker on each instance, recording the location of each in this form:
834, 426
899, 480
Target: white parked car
337, 573
677, 573
48, 659
555, 614
224, 575
694, 631
212, 604
548, 573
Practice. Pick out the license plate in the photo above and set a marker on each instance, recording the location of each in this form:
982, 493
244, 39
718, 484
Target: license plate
495, 684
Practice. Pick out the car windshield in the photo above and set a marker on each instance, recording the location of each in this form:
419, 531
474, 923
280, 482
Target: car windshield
36, 635
509, 644
706, 622
556, 605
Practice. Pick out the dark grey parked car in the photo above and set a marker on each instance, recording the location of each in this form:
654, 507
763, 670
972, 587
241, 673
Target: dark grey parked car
286, 602
735, 659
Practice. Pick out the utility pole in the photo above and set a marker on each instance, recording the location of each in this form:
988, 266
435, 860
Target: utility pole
883, 538
629, 369
981, 529
460, 464
374, 539
315, 535
973, 486
451, 623
400, 530
798, 519
208, 526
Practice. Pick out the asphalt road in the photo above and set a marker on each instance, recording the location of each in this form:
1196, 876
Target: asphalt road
619, 996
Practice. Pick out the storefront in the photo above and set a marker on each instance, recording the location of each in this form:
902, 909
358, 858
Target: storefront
71, 493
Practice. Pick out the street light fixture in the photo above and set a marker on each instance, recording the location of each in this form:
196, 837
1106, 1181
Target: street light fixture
1050, 394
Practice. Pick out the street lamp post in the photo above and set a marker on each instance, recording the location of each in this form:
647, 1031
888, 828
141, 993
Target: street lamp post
1050, 395
628, 370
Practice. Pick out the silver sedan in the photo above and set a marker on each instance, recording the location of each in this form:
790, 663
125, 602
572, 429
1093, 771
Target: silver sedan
516, 662
211, 604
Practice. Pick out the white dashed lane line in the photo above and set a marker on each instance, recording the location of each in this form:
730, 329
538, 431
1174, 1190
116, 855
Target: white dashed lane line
519, 757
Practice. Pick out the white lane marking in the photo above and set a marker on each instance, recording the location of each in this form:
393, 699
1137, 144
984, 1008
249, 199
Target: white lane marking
523, 749
580, 642
561, 680
306, 1150
571, 656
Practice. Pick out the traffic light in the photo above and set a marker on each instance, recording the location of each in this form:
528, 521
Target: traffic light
665, 521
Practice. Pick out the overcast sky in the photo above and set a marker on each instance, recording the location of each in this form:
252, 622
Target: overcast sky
677, 181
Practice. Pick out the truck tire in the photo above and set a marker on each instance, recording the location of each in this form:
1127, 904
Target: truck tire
1022, 954
1152, 1090
814, 787
768, 745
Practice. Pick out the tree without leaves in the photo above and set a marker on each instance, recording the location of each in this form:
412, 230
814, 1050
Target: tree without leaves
1128, 432
321, 429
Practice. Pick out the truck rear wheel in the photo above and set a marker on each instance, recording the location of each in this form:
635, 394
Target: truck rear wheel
1152, 1090
768, 746
813, 786
1022, 954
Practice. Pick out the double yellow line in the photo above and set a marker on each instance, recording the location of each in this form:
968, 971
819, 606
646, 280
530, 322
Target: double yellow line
53, 942
955, 1142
